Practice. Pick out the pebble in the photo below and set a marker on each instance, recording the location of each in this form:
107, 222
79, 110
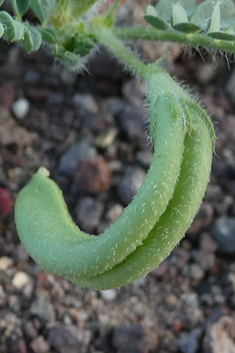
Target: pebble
32, 77
43, 309
85, 103
20, 108
171, 300
98, 124
88, 213
83, 149
223, 231
55, 98
231, 279
6, 96
38, 95
11, 319
114, 213
18, 346
14, 303
196, 272
205, 72
220, 336
144, 158
20, 254
140, 282
109, 295
114, 105
64, 339
30, 330
20, 280
191, 342
128, 339
3, 177
207, 244
206, 260
106, 139
130, 184
6, 203
132, 121
191, 313
93, 175
5, 263
40, 345
12, 133
2, 293
67, 77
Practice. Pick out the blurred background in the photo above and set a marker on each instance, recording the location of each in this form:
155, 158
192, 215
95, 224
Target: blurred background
90, 131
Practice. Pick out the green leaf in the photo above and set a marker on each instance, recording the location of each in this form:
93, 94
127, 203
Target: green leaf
27, 41
180, 20
228, 22
19, 31
227, 9
20, 7
222, 36
215, 20
150, 11
41, 9
1, 30
231, 29
152, 18
178, 15
204, 11
49, 35
32, 39
8, 24
1, 2
164, 7
187, 27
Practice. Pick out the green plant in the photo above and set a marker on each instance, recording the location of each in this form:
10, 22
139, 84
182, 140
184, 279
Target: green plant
182, 133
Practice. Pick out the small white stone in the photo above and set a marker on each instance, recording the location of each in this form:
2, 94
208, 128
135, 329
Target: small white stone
5, 263
109, 294
20, 280
20, 108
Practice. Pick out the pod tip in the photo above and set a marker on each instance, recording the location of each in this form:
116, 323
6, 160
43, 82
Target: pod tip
43, 171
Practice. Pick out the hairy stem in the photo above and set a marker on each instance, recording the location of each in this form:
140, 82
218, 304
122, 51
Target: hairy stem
194, 39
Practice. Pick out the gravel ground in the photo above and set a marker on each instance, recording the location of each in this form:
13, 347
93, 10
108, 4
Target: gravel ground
89, 130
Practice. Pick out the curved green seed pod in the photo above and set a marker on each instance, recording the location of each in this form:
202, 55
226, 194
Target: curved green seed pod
173, 224
52, 239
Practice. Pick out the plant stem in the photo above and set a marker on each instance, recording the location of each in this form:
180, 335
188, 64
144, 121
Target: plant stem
108, 39
194, 39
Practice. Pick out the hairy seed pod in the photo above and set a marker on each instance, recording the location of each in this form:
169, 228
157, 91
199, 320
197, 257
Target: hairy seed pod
52, 239
155, 220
